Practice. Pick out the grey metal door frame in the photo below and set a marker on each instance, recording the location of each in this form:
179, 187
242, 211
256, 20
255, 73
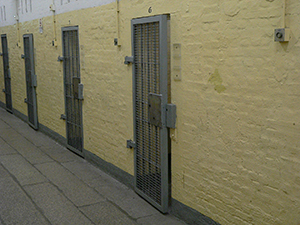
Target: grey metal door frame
73, 105
31, 81
7, 76
161, 202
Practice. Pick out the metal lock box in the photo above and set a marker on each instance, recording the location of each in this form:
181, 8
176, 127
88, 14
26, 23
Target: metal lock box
282, 34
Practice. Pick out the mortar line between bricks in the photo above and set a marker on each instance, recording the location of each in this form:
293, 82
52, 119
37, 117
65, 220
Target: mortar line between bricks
34, 204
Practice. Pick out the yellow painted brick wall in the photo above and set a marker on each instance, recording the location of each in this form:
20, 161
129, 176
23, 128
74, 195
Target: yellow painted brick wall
235, 154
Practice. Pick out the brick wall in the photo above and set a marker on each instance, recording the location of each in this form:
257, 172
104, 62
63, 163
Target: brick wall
235, 150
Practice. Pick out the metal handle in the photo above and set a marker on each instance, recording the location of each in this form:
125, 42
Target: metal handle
130, 144
60, 58
128, 59
63, 117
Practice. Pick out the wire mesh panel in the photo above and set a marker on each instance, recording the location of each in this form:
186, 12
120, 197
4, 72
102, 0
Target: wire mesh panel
150, 82
7, 78
71, 80
30, 80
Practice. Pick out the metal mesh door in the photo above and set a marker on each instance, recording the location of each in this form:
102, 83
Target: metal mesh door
7, 77
150, 79
71, 80
30, 81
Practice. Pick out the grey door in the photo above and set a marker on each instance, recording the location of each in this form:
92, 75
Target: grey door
31, 81
7, 77
73, 101
150, 97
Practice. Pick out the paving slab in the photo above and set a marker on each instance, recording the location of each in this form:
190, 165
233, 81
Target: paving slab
75, 190
6, 149
55, 206
106, 213
32, 153
60, 153
127, 199
3, 126
89, 174
23, 171
160, 219
16, 207
10, 135
36, 137
3, 173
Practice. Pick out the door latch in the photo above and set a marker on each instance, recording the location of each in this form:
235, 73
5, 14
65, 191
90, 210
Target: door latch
130, 144
128, 59
63, 117
60, 58
171, 115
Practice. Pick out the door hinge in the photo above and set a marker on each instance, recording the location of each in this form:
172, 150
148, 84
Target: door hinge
60, 58
171, 115
128, 59
130, 144
63, 117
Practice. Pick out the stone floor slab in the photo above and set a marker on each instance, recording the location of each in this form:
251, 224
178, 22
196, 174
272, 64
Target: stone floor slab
60, 153
3, 125
6, 149
23, 171
89, 174
32, 153
3, 173
55, 206
16, 207
76, 190
10, 135
160, 219
106, 213
127, 199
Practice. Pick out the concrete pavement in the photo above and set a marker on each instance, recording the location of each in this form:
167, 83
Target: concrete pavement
41, 182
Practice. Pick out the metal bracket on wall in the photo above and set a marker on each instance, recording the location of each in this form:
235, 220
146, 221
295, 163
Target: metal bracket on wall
63, 117
171, 116
128, 59
60, 58
23, 56
130, 144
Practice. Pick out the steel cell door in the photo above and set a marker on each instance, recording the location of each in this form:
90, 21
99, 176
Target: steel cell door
7, 78
150, 97
31, 81
73, 102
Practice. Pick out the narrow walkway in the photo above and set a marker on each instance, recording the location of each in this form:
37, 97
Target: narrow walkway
42, 182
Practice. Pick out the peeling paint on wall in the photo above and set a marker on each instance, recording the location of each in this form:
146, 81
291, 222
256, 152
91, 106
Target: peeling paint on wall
216, 80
